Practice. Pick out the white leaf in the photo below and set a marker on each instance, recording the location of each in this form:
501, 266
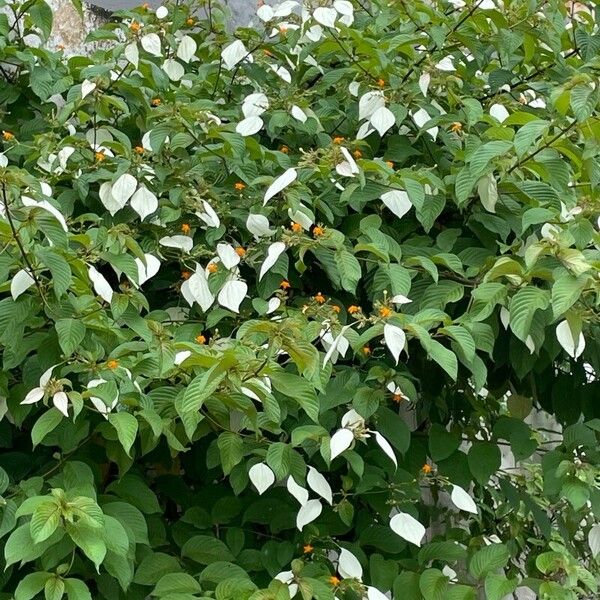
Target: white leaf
63, 157
183, 242
594, 540
304, 216
46, 376
400, 299
101, 286
34, 395
146, 141
265, 13
61, 402
314, 33
148, 270
132, 54
420, 118
505, 317
297, 491
298, 114
395, 340
282, 72
232, 294
343, 7
87, 87
229, 257
286, 8
364, 131
262, 477
369, 103
249, 126
255, 105
349, 167
161, 12
382, 119
308, 513
424, 82
353, 88
318, 484
233, 54
386, 447
462, 500
375, 594
352, 419
181, 357
4, 160
21, 282
530, 344
173, 69
275, 250
144, 202
397, 201
487, 188
151, 44
341, 440
348, 565
325, 16
340, 345
280, 184
258, 226
123, 188
274, 304
186, 49
408, 528
197, 286
446, 64
209, 216
566, 339
45, 205
498, 111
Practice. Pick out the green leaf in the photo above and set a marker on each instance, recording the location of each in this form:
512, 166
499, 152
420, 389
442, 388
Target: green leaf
299, 389
487, 559
48, 422
349, 270
433, 585
528, 134
176, 583
393, 429
201, 388
487, 188
45, 520
497, 587
54, 588
484, 460
126, 426
206, 549
77, 590
59, 269
448, 551
31, 585
481, 158
583, 101
523, 306
90, 541
70, 334
231, 450
280, 457
41, 16
442, 443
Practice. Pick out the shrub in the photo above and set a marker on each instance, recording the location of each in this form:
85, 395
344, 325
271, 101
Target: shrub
280, 307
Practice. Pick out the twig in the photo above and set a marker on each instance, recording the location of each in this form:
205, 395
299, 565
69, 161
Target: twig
351, 56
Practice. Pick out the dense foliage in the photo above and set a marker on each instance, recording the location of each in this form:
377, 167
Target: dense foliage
305, 311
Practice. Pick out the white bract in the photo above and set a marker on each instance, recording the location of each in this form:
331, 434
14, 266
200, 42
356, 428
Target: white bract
101, 406
208, 215
298, 114
262, 477
249, 126
101, 286
285, 179
499, 112
397, 201
46, 386
275, 250
232, 294
87, 87
21, 282
319, 485
45, 205
229, 257
325, 16
151, 44
395, 340
420, 118
308, 513
297, 491
234, 53
195, 289
462, 500
349, 566
566, 338
186, 49
408, 528
258, 226
382, 120
144, 202
255, 105
369, 103
147, 270
182, 242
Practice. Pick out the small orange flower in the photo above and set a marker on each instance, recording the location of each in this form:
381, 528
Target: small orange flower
100, 156
241, 252
426, 468
239, 186
333, 580
7, 136
213, 268
267, 52
338, 139
185, 274
190, 21
366, 350
390, 164
156, 102
201, 339
296, 227
283, 29
319, 298
357, 154
285, 285
185, 228
381, 82
398, 398
456, 127
135, 26
307, 549
353, 309
385, 312
284, 149
60, 47
112, 364
318, 231
146, 6
139, 150
335, 308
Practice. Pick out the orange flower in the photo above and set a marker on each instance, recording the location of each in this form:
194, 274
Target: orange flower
267, 52
7, 136
112, 364
398, 398
366, 350
283, 29
385, 312
100, 156
185, 274
357, 154
390, 164
381, 82
333, 580
239, 186
319, 298
241, 252
318, 231
296, 227
353, 309
426, 468
139, 150
307, 549
156, 102
284, 149
201, 339
190, 21
60, 47
213, 268
285, 285
135, 26
185, 228
456, 127
335, 308
338, 139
